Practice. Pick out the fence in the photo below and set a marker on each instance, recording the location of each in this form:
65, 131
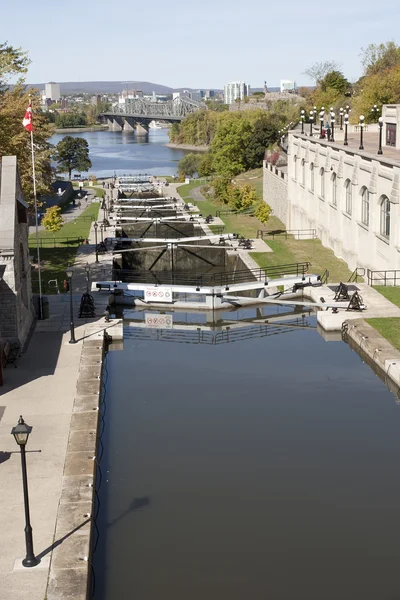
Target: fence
56, 242
210, 279
298, 234
391, 278
52, 282
226, 212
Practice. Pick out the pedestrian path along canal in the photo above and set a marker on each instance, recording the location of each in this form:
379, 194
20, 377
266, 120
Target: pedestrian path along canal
258, 461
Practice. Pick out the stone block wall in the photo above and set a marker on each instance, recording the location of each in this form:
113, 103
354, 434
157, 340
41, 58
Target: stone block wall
275, 191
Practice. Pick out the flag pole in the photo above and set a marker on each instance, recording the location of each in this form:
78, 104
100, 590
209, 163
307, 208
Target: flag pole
37, 229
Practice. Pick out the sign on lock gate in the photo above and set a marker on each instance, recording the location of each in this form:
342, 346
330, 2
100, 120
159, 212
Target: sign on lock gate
158, 294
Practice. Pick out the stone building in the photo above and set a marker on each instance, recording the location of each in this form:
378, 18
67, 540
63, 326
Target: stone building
347, 197
16, 309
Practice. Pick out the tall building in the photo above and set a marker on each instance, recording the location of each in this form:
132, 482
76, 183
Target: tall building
288, 86
234, 90
52, 91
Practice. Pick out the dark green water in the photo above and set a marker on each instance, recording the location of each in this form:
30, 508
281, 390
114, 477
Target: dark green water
260, 464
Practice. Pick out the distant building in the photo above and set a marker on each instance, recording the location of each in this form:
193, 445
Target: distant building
235, 90
288, 86
52, 91
208, 94
96, 99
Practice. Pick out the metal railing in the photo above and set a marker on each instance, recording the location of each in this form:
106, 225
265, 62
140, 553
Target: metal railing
296, 233
391, 278
358, 273
50, 280
56, 242
226, 212
225, 278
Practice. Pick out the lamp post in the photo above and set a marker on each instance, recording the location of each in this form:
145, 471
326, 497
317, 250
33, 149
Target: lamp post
346, 124
21, 434
95, 226
361, 123
302, 121
380, 122
101, 231
341, 112
87, 271
311, 121
321, 123
332, 126
69, 271
375, 111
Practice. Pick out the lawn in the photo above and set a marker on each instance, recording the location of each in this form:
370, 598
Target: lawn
389, 327
390, 292
56, 259
254, 178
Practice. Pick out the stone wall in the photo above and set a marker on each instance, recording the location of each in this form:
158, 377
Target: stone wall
275, 191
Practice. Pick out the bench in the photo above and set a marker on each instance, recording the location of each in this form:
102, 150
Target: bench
10, 354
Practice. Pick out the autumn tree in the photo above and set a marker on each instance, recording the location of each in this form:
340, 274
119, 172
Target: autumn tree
263, 212
72, 153
188, 164
53, 220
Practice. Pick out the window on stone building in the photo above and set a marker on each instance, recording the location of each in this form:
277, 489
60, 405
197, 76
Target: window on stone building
322, 182
334, 189
385, 216
312, 177
365, 206
303, 171
347, 185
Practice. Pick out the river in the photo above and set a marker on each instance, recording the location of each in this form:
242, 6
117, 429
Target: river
124, 153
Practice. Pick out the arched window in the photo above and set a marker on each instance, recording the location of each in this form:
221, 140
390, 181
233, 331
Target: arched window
322, 181
348, 196
365, 206
312, 177
334, 189
303, 171
295, 166
385, 216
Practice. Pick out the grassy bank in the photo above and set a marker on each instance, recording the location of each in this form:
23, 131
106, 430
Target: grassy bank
284, 250
60, 248
388, 327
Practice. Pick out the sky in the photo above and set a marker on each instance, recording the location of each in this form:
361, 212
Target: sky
194, 44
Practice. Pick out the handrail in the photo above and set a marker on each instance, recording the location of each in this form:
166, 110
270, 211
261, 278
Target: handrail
297, 233
325, 277
56, 242
358, 272
225, 212
389, 277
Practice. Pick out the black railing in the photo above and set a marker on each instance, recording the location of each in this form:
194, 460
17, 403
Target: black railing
358, 273
296, 233
51, 282
210, 279
56, 242
226, 212
391, 278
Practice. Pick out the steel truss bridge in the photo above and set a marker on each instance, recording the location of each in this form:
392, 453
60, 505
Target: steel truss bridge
144, 110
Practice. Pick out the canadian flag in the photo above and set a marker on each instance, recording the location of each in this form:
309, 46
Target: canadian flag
27, 122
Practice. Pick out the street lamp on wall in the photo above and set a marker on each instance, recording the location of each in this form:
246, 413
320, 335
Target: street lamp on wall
21, 434
321, 123
375, 111
69, 272
361, 124
302, 121
311, 121
95, 226
341, 112
332, 126
346, 124
380, 122
87, 271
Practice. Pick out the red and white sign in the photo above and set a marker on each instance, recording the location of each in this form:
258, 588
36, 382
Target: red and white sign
27, 122
158, 321
158, 294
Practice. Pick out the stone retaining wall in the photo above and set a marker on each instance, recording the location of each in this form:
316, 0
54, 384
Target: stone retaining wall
275, 192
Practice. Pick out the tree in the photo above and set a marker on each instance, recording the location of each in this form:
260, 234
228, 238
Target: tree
188, 164
52, 220
263, 212
13, 61
72, 153
377, 57
265, 133
335, 80
318, 70
233, 135
221, 185
72, 119
205, 166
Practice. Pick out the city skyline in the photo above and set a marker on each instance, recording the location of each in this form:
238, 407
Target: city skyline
187, 48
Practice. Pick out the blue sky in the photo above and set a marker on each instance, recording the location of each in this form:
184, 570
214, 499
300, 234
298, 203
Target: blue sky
202, 45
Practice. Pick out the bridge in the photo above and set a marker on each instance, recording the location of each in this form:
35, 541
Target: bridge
138, 113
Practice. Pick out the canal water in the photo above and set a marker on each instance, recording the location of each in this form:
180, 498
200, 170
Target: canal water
123, 153
254, 462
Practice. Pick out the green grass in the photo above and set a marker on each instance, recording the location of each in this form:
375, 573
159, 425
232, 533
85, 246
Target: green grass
254, 178
56, 260
390, 292
389, 328
185, 189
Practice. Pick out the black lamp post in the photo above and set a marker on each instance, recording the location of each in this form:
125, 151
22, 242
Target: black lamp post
95, 226
380, 122
311, 121
361, 123
101, 231
332, 126
341, 112
87, 271
302, 121
375, 111
21, 434
321, 122
69, 271
346, 124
